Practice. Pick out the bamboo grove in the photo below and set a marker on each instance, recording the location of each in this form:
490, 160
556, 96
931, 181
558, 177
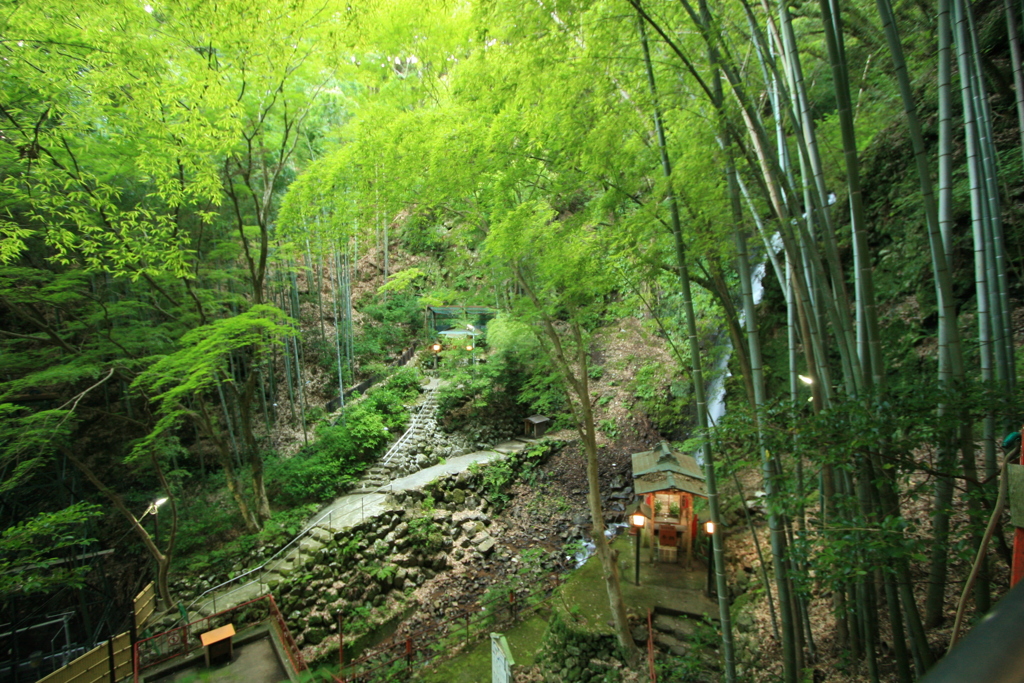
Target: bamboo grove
175, 177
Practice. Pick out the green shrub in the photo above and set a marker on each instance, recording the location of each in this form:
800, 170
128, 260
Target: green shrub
391, 324
406, 381
205, 521
337, 457
666, 403
474, 394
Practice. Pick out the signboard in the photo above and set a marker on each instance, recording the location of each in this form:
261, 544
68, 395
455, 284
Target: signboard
1016, 474
501, 659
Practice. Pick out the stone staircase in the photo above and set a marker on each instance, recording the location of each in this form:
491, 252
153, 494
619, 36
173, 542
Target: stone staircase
406, 454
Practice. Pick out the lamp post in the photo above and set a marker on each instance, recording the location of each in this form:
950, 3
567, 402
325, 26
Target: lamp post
436, 348
153, 510
709, 527
638, 515
472, 347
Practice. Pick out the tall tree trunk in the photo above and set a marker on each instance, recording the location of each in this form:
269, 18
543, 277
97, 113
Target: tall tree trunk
245, 404
231, 477
577, 386
963, 43
697, 375
162, 558
775, 525
937, 569
1018, 70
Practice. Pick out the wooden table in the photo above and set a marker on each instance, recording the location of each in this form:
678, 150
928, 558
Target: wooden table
218, 643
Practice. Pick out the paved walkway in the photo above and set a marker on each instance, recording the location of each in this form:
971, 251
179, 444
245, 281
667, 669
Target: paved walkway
353, 508
343, 513
254, 662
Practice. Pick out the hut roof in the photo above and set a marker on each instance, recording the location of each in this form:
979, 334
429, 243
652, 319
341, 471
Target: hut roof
458, 333
662, 469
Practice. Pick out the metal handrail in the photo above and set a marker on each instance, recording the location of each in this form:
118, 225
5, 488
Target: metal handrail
413, 423
302, 534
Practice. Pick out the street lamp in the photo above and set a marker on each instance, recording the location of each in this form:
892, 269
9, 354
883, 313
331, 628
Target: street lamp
152, 510
436, 348
709, 527
638, 515
472, 350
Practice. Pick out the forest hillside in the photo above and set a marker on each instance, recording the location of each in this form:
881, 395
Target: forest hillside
243, 246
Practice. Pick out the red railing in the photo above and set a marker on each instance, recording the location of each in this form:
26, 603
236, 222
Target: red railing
177, 642
420, 648
650, 647
285, 636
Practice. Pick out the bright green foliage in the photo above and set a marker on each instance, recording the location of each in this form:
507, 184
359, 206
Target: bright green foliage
393, 321
30, 551
202, 362
402, 280
340, 453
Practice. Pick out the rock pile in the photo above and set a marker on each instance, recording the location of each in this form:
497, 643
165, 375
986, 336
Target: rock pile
572, 655
374, 563
494, 430
616, 496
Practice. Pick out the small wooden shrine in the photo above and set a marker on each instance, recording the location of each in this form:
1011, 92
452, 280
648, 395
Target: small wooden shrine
535, 426
667, 481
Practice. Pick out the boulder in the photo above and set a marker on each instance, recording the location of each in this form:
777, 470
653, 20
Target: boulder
670, 643
309, 546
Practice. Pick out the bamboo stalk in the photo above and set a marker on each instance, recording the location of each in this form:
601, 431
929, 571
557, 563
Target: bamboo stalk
697, 372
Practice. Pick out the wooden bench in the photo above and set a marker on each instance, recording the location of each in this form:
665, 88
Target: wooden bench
218, 644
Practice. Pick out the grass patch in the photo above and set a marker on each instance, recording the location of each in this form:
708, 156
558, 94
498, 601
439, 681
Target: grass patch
474, 665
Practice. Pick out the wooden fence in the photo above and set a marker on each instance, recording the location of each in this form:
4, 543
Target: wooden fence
144, 606
112, 660
109, 661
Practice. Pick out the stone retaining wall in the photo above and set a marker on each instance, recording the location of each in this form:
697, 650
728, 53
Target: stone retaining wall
374, 563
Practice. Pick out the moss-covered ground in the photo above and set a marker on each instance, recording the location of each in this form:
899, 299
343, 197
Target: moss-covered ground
474, 665
583, 602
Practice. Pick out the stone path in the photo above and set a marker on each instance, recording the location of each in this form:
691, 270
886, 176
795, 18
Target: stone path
341, 514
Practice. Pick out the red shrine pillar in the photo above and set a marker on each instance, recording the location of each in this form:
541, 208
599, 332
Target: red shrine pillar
1017, 568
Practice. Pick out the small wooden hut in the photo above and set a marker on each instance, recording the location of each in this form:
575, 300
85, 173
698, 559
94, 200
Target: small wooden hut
536, 425
667, 482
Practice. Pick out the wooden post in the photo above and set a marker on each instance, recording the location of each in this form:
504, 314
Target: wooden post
110, 659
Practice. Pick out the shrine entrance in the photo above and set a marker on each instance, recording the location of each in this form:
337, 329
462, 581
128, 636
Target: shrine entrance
667, 482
